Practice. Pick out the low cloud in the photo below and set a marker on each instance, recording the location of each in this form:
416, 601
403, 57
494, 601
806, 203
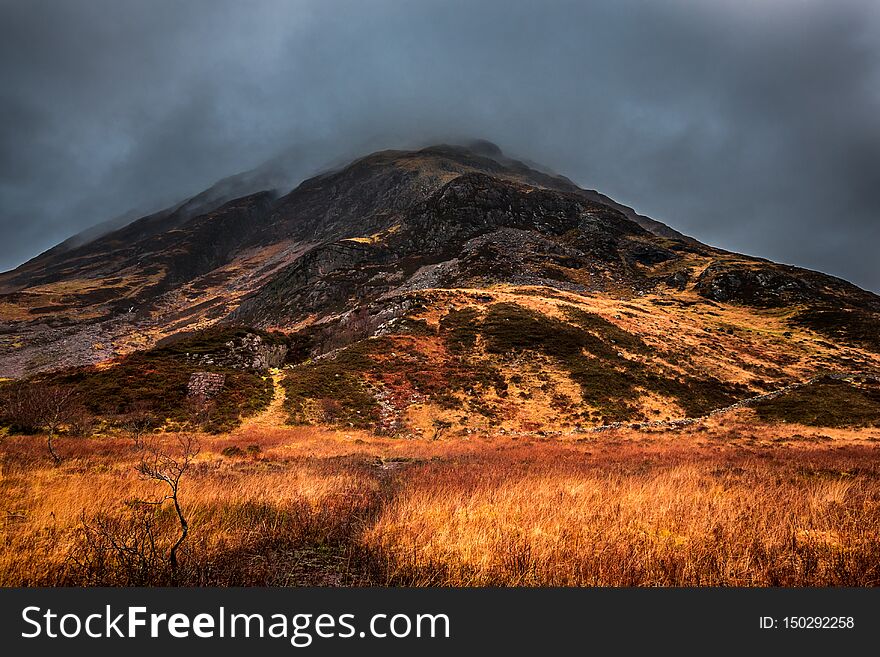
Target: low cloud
750, 125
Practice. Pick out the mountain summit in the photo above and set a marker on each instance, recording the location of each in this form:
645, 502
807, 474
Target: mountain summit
193, 264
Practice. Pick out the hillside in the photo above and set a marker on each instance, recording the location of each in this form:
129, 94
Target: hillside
440, 291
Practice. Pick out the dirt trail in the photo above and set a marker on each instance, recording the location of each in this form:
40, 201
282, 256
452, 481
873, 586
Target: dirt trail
274, 415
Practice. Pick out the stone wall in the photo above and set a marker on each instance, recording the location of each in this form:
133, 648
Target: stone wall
205, 384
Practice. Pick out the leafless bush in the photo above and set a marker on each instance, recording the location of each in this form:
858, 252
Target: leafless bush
139, 547
439, 427
169, 468
80, 422
35, 407
123, 551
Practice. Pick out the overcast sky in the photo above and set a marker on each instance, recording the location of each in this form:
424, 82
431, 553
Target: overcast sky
753, 125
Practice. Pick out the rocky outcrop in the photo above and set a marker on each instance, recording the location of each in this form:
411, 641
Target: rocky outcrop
765, 284
244, 352
474, 231
679, 279
753, 285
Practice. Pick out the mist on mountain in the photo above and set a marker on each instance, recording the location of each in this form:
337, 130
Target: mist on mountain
744, 125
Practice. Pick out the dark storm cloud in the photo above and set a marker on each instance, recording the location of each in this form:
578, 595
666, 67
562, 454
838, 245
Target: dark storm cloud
752, 125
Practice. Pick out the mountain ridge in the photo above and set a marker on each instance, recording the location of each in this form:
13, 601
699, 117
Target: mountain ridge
399, 246
238, 186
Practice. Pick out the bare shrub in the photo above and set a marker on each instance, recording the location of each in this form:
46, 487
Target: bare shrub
121, 551
169, 468
439, 427
34, 407
141, 546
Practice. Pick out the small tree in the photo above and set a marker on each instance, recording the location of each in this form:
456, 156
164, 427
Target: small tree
169, 469
57, 406
35, 406
439, 427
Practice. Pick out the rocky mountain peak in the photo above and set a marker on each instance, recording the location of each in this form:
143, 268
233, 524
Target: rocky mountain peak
355, 242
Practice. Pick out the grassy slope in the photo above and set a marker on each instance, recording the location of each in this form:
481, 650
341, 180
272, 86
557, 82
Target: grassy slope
826, 403
155, 381
527, 359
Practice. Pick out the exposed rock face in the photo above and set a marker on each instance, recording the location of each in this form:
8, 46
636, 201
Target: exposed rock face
476, 230
679, 279
754, 286
205, 384
766, 284
247, 352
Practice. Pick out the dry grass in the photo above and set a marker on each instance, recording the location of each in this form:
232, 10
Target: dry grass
566, 519
733, 503
734, 343
246, 514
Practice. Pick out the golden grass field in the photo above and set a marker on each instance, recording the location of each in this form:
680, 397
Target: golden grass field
729, 502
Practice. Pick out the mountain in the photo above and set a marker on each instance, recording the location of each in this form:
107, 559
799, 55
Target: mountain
447, 287
191, 264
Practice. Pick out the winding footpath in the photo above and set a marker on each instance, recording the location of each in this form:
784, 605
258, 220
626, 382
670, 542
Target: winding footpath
273, 415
